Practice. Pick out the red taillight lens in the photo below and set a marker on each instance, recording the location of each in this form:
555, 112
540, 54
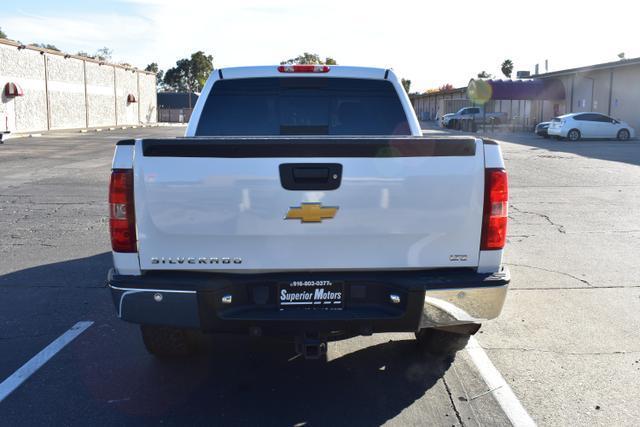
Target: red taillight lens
122, 222
496, 202
303, 69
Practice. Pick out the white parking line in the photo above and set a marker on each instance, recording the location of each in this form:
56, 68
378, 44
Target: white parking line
507, 400
25, 371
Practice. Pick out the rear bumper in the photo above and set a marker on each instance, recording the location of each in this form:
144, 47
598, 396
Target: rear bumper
556, 132
428, 298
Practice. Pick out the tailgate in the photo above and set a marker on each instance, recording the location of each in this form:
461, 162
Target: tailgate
350, 203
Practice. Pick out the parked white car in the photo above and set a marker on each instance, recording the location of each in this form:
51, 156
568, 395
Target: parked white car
574, 126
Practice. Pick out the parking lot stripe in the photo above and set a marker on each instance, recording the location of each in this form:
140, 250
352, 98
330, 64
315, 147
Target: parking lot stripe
25, 371
498, 387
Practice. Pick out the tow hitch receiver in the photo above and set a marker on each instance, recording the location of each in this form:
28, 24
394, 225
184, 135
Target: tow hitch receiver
311, 345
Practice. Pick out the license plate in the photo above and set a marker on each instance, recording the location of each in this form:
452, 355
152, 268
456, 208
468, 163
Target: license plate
311, 294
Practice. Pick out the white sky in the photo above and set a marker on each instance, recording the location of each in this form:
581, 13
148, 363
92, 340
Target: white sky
431, 43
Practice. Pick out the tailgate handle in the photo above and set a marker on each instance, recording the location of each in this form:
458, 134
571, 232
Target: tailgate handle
310, 176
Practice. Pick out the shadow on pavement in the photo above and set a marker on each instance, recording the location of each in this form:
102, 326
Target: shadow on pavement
611, 150
86, 272
245, 381
106, 373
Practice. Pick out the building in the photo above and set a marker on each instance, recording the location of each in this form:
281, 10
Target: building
433, 104
176, 107
611, 88
45, 89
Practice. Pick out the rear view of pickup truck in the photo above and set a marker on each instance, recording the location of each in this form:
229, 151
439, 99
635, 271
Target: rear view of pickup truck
304, 202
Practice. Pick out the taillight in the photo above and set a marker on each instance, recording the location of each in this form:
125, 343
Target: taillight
303, 69
122, 221
494, 217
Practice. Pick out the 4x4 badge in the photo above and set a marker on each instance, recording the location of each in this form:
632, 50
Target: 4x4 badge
311, 212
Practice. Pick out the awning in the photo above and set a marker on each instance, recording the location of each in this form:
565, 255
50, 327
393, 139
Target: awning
131, 98
12, 89
549, 89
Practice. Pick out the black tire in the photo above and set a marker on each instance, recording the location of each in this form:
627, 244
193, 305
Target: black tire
623, 135
573, 135
545, 136
166, 341
441, 343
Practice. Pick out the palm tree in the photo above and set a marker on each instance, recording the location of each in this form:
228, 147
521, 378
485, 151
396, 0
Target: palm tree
507, 68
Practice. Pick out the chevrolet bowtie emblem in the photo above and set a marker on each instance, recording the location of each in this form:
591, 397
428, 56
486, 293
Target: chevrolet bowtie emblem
311, 212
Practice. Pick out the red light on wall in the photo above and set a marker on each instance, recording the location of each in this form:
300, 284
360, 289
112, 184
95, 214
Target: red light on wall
12, 90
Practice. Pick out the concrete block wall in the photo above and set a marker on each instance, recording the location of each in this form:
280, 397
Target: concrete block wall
101, 96
65, 85
127, 84
27, 68
67, 92
148, 102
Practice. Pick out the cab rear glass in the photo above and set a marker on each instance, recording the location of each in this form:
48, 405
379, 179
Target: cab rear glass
302, 106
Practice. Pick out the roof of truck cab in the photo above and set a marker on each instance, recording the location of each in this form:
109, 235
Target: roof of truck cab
334, 71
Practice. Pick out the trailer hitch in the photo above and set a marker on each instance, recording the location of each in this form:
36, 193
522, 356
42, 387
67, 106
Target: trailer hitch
311, 345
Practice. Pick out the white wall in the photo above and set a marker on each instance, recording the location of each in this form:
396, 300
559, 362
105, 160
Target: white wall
70, 92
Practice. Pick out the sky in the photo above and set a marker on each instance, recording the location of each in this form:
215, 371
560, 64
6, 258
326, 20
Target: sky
430, 43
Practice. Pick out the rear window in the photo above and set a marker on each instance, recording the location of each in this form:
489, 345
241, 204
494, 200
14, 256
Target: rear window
302, 106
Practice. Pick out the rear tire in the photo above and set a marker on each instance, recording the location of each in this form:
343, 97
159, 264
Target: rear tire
441, 343
573, 135
166, 341
623, 135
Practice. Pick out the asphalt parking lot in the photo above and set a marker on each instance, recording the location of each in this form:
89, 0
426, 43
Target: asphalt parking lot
567, 342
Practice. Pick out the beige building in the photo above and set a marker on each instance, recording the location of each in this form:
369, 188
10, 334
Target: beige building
611, 88
44, 89
432, 105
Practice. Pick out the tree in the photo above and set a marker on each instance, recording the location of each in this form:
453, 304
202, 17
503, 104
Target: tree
189, 74
309, 58
406, 84
153, 67
103, 54
507, 68
484, 75
45, 46
3, 35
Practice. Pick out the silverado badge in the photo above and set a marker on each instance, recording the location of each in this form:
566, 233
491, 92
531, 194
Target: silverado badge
311, 212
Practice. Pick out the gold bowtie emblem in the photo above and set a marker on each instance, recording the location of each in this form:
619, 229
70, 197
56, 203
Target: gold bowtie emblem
311, 212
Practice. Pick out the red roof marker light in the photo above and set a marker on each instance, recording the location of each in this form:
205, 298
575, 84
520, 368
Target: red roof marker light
303, 68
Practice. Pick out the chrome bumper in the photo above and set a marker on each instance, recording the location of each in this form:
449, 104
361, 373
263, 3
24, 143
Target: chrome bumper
450, 307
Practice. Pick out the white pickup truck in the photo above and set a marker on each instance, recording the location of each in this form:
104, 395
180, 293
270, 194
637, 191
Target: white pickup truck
477, 115
305, 202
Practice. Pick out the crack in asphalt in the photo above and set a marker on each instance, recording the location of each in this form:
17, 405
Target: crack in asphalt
453, 405
558, 227
566, 353
586, 282
559, 288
